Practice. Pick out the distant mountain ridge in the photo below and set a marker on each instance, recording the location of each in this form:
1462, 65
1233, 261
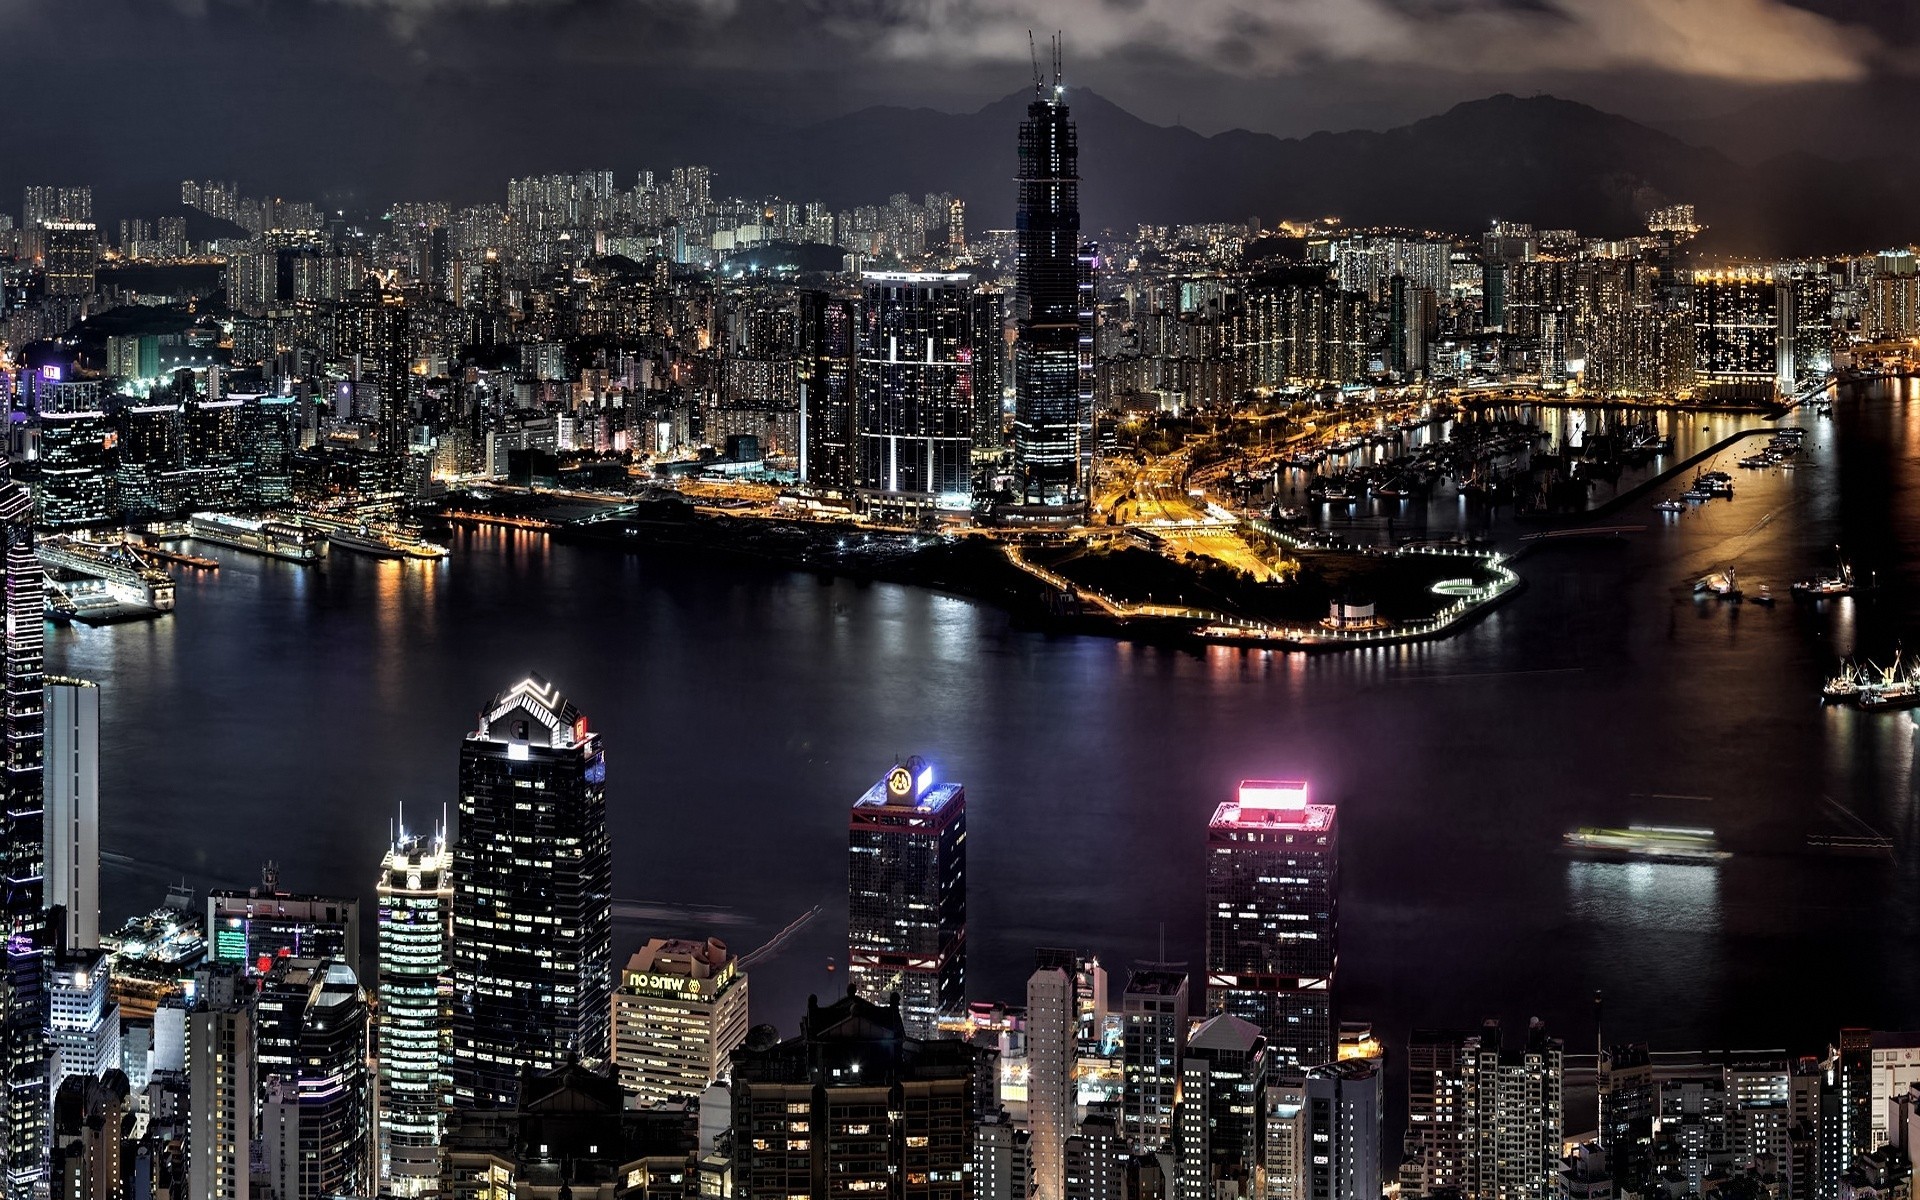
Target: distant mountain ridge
1551, 162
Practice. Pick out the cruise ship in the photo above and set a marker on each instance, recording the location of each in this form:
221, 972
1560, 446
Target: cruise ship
276, 539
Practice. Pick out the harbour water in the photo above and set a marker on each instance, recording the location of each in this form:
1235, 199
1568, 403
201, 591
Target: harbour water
285, 712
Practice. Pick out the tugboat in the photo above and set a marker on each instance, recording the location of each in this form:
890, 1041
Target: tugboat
1839, 583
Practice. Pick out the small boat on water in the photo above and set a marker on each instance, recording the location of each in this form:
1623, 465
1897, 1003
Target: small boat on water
1670, 505
1763, 597
1723, 584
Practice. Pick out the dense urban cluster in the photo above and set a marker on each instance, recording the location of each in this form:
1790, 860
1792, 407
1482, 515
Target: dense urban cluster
264, 354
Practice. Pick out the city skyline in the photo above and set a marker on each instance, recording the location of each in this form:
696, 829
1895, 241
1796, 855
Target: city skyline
1420, 614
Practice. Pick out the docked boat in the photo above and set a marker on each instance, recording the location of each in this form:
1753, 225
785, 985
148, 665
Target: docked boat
1653, 843
273, 538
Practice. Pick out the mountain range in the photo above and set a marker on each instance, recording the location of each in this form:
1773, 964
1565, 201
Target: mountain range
1553, 163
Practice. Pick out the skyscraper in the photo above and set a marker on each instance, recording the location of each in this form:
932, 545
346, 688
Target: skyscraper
907, 895
83, 1022
914, 381
415, 1016
73, 807
23, 1067
532, 900
1052, 1090
1272, 894
1052, 436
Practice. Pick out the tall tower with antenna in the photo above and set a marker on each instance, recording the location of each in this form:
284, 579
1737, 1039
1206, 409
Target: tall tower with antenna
1053, 350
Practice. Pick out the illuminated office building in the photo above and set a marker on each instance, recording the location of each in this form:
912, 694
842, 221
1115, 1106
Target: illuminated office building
415, 1015
256, 928
678, 1014
1053, 347
1272, 895
23, 1056
72, 790
532, 899
907, 895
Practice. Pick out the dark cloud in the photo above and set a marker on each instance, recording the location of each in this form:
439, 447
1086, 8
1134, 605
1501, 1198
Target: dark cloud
447, 97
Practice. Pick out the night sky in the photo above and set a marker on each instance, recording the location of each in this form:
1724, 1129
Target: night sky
444, 98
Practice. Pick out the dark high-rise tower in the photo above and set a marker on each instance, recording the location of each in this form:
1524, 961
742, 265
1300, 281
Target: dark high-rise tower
532, 899
23, 1066
907, 896
829, 330
1052, 434
1272, 887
